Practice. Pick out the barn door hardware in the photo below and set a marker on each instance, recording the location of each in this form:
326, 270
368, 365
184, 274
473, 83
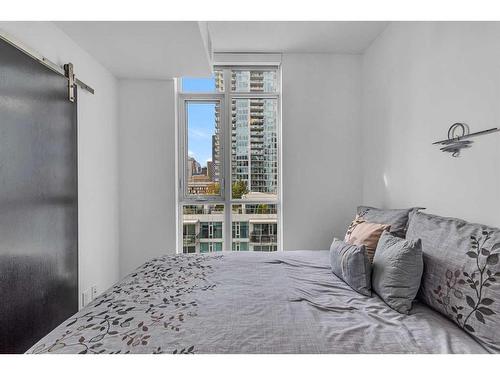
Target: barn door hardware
64, 71
68, 71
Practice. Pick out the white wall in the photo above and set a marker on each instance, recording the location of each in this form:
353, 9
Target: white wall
97, 151
147, 171
321, 147
418, 79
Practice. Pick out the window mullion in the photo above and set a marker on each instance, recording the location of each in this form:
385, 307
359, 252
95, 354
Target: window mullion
227, 159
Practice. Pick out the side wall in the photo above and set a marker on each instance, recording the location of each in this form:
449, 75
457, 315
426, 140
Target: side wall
147, 171
97, 151
418, 79
322, 173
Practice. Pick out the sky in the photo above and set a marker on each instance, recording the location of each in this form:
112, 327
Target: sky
201, 120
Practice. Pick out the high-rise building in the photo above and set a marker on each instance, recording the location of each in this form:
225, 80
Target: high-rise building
254, 133
216, 150
193, 168
210, 170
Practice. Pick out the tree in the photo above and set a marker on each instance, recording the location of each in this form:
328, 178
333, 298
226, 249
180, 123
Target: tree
262, 209
239, 189
214, 189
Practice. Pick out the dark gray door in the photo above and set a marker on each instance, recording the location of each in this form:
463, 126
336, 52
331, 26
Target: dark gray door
38, 201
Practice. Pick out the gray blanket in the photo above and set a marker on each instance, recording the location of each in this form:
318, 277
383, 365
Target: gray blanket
284, 302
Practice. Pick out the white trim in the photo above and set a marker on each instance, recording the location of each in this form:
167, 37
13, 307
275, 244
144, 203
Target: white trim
201, 96
179, 239
227, 156
280, 160
262, 220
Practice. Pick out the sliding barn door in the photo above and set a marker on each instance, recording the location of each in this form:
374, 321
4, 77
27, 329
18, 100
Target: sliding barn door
38, 201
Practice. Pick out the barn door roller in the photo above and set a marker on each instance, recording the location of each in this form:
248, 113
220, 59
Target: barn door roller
66, 71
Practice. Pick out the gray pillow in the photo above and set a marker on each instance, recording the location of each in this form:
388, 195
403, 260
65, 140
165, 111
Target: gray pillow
396, 218
397, 271
461, 276
351, 264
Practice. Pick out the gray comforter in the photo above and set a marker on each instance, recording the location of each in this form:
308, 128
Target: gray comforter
285, 302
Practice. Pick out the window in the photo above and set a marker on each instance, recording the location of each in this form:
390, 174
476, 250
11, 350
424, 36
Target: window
203, 163
209, 247
189, 238
211, 229
229, 167
240, 229
240, 246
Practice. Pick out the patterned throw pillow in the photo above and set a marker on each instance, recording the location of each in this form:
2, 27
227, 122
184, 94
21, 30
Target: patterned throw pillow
461, 277
361, 232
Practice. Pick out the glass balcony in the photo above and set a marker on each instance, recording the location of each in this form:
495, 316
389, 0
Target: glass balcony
263, 238
189, 239
203, 209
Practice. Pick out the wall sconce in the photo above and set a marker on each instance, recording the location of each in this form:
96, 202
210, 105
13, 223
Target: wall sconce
458, 141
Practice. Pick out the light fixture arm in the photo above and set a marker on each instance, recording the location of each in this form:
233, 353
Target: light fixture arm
455, 143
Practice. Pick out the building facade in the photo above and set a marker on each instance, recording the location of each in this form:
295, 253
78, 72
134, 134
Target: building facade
254, 150
253, 228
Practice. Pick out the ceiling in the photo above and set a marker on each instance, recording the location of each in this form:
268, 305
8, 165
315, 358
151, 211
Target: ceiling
294, 36
144, 50
166, 49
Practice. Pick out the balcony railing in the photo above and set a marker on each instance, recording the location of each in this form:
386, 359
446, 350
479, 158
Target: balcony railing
206, 236
189, 239
202, 211
272, 209
263, 238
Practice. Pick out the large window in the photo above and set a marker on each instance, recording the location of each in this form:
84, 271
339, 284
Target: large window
229, 167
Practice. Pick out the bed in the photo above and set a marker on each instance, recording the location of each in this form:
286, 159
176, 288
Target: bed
246, 302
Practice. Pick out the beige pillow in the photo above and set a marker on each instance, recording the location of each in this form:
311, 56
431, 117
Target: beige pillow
361, 232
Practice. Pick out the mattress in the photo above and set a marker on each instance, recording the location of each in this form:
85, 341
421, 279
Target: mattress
248, 302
